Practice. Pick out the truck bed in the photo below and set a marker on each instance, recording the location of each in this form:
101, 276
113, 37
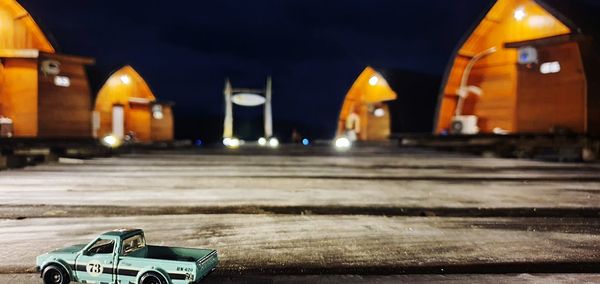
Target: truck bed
177, 254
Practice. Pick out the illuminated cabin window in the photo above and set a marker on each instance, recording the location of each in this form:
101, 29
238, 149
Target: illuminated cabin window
62, 81
550, 67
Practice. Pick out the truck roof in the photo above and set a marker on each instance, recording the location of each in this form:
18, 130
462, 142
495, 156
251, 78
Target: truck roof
121, 233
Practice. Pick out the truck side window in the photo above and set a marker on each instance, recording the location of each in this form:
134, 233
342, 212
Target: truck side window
133, 244
102, 247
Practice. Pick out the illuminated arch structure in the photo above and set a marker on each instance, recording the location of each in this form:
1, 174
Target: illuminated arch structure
126, 105
523, 69
43, 93
390, 101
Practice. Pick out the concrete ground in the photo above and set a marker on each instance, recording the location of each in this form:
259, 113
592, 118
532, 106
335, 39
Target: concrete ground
343, 215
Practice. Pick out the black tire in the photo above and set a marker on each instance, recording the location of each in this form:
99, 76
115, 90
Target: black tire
152, 278
54, 274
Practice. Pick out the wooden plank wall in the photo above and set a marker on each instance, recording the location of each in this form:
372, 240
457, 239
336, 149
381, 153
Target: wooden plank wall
65, 112
18, 95
138, 120
162, 129
378, 128
552, 100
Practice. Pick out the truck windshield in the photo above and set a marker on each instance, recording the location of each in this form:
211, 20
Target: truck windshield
133, 244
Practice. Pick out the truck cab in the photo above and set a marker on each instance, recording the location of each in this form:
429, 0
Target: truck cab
122, 256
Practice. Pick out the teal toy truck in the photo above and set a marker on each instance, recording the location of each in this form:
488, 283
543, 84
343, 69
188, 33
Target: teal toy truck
122, 257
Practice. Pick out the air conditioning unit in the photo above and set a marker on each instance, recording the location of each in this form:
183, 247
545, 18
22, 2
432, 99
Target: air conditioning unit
464, 124
528, 55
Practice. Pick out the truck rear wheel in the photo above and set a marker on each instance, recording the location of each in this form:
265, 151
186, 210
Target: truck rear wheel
152, 278
54, 274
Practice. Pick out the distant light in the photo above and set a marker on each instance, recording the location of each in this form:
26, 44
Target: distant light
62, 81
198, 142
111, 141
262, 141
125, 79
374, 80
520, 14
550, 67
379, 112
274, 142
231, 142
343, 143
158, 115
157, 112
305, 142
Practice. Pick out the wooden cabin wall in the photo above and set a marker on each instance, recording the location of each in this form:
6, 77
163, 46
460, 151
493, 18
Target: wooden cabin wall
378, 128
360, 95
591, 62
18, 30
116, 91
65, 112
105, 127
19, 95
496, 74
552, 100
138, 120
162, 129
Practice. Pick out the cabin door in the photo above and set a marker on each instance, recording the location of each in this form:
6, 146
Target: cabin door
118, 121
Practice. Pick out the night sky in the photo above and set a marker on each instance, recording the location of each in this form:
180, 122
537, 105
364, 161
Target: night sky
314, 49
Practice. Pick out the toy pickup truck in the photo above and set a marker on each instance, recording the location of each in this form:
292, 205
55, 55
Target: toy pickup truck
122, 256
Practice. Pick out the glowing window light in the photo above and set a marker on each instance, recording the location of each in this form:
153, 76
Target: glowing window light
374, 80
125, 79
520, 14
62, 81
379, 112
550, 67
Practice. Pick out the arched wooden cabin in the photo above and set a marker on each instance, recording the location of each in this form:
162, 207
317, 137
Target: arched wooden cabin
43, 93
406, 99
529, 62
366, 98
126, 105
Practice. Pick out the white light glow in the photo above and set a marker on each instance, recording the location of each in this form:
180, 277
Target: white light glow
231, 142
343, 143
125, 79
379, 112
262, 141
274, 142
374, 80
62, 81
520, 14
111, 141
550, 67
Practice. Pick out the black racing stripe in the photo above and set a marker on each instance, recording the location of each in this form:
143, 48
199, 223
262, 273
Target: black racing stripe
177, 276
127, 272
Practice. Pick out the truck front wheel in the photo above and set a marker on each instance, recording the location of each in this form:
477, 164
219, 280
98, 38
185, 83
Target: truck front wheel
55, 275
152, 278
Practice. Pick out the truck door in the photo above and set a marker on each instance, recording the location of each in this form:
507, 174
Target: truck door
97, 263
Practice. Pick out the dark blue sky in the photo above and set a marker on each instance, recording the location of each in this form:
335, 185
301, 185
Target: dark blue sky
313, 49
